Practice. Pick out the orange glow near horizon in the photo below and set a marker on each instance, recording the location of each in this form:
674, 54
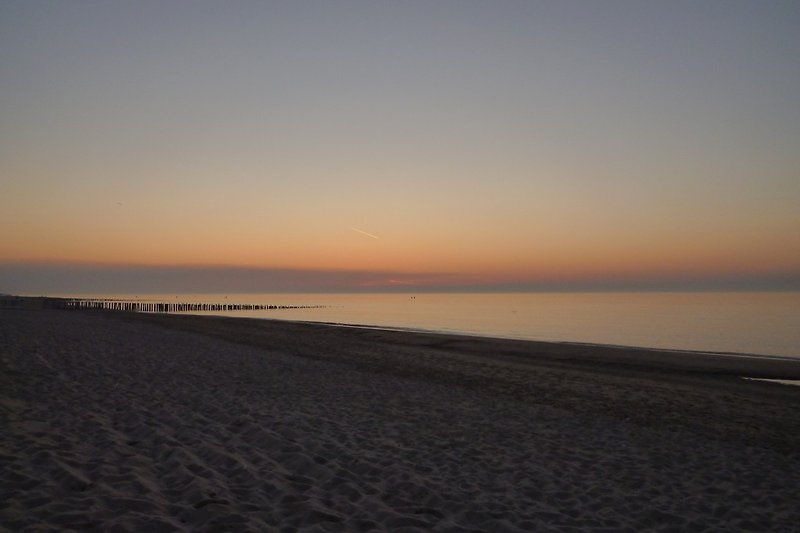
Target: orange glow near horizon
510, 246
423, 259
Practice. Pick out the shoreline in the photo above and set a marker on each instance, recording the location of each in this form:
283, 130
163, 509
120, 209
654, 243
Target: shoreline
423, 331
599, 357
754, 337
185, 422
750, 365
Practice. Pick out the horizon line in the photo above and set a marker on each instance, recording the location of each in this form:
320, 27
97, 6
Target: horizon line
64, 278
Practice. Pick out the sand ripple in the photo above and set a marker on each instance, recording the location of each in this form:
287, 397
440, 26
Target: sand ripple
123, 425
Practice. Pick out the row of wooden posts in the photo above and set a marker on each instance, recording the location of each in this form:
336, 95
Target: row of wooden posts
165, 307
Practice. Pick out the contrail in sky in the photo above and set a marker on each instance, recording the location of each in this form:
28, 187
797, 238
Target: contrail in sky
365, 233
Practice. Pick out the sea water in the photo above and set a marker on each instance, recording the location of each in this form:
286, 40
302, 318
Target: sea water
743, 322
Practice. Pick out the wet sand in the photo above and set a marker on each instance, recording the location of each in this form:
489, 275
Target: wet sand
144, 422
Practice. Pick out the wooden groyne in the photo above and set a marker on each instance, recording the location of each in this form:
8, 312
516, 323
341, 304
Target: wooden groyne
160, 307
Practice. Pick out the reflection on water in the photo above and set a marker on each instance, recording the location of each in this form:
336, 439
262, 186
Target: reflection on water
761, 323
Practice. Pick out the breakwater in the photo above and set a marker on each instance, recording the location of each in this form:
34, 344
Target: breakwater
137, 306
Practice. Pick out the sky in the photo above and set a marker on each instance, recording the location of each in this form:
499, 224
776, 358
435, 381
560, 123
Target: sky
504, 145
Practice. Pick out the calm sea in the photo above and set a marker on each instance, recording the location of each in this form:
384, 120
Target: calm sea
756, 323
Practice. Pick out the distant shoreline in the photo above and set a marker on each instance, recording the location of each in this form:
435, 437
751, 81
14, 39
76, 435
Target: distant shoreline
641, 358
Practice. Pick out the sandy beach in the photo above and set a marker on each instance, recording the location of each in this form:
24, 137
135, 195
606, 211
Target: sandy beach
117, 421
